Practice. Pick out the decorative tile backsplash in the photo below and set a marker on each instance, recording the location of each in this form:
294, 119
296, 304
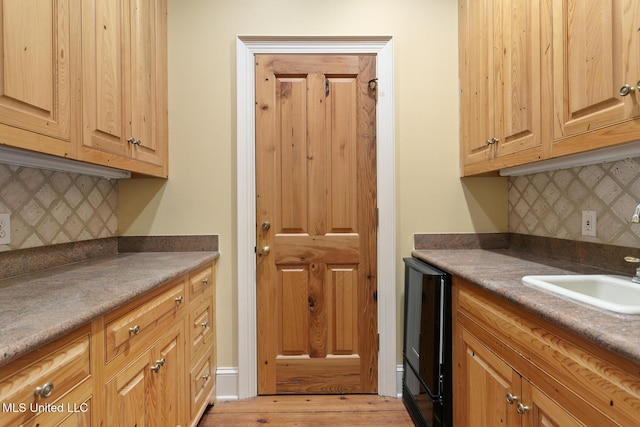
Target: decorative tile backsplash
53, 207
550, 204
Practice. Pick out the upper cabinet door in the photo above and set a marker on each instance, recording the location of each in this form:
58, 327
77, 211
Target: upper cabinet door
517, 65
500, 77
476, 79
148, 80
39, 74
125, 85
596, 52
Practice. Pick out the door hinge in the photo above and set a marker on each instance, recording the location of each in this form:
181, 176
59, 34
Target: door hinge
377, 217
326, 87
378, 342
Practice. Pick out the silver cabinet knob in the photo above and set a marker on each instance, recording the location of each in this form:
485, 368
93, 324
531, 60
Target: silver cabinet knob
267, 225
180, 299
522, 408
135, 330
511, 399
204, 324
626, 89
44, 391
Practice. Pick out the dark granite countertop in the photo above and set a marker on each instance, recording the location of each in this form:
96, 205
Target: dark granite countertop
501, 271
37, 308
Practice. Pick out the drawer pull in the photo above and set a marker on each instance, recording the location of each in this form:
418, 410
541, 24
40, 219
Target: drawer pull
180, 299
204, 324
135, 330
205, 281
44, 391
205, 377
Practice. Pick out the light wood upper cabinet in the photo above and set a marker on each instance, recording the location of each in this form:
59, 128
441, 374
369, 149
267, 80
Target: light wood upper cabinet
125, 85
596, 51
500, 78
544, 78
39, 75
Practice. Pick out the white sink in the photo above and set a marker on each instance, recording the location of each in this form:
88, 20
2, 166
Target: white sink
615, 293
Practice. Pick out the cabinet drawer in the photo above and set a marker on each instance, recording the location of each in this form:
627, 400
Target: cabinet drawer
141, 324
202, 383
45, 381
76, 411
201, 282
201, 328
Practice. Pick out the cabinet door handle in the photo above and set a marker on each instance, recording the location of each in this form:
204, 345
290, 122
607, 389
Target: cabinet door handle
204, 324
180, 299
44, 391
511, 399
131, 140
159, 364
626, 90
205, 377
135, 330
522, 408
205, 281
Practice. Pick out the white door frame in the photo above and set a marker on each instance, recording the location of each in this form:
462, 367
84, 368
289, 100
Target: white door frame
246, 48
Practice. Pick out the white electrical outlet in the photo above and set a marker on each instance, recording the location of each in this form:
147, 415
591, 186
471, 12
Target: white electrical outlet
5, 228
589, 221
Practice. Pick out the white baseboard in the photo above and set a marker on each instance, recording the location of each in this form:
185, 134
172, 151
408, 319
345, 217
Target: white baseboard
227, 383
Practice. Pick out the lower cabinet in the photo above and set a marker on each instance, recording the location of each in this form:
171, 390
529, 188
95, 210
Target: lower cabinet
151, 363
51, 386
512, 368
499, 394
144, 392
149, 354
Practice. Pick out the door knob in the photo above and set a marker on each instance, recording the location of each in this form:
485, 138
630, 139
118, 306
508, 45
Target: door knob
266, 250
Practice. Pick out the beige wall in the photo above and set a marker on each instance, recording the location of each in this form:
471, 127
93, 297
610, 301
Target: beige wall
199, 197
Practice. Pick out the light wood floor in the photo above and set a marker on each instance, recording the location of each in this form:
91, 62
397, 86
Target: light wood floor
332, 410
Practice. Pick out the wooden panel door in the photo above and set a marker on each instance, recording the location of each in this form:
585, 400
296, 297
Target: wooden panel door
316, 231
39, 70
128, 395
170, 378
517, 84
543, 411
481, 385
476, 80
596, 49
